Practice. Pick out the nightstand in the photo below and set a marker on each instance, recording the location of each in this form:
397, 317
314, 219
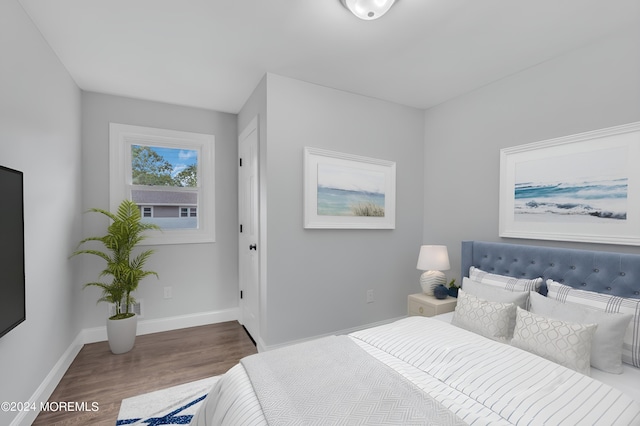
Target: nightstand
428, 306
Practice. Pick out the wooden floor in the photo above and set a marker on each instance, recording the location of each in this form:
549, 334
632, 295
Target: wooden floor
157, 361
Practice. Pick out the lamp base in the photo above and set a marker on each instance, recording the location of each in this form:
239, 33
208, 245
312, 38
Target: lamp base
430, 280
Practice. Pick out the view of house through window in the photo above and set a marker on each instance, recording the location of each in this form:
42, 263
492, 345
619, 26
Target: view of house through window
164, 184
170, 175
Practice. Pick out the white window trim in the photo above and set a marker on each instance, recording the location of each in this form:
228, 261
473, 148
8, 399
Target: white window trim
122, 136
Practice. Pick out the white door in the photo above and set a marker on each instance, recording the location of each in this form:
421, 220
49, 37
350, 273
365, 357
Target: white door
249, 230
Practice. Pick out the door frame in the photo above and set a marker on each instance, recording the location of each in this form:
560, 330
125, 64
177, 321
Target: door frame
251, 127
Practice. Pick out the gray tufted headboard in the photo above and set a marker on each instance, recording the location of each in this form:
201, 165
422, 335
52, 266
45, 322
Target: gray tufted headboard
616, 274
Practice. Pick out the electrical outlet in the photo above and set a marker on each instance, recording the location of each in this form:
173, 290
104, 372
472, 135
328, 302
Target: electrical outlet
168, 293
370, 297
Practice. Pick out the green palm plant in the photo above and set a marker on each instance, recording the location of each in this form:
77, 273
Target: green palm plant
126, 270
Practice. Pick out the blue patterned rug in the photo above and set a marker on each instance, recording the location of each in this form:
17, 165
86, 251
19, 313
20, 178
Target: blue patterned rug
172, 406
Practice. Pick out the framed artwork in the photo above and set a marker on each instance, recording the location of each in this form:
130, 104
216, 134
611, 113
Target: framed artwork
584, 187
348, 191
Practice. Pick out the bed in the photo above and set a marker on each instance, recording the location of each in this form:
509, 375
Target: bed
450, 369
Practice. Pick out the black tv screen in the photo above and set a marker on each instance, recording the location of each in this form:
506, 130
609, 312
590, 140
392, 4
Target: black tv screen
12, 281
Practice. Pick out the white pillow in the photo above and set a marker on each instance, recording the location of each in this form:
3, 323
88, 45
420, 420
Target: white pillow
489, 319
606, 347
565, 343
503, 281
605, 303
495, 294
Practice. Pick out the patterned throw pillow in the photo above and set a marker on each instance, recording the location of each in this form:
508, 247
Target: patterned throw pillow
497, 294
565, 343
606, 303
503, 281
489, 319
606, 346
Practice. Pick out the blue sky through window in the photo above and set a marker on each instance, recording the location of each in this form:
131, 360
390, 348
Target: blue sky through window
180, 159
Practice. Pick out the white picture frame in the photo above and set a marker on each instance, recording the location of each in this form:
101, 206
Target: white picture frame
357, 187
583, 187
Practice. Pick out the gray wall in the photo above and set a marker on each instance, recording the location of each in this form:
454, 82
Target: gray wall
317, 279
594, 87
39, 135
255, 106
204, 277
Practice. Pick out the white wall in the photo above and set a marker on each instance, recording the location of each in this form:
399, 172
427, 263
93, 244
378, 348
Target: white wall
204, 277
594, 87
39, 135
317, 279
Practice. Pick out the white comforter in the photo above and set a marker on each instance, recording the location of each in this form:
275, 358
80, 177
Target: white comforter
483, 382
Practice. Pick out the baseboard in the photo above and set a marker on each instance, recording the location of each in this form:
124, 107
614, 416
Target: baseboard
48, 385
263, 347
99, 334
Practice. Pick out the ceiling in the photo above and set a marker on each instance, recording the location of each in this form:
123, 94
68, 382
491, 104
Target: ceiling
212, 53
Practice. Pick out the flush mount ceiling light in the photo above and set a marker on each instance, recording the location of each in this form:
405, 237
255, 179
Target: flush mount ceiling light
368, 9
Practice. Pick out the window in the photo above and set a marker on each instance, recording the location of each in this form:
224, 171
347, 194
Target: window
188, 212
169, 174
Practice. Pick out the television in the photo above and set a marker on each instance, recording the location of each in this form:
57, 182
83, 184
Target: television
12, 276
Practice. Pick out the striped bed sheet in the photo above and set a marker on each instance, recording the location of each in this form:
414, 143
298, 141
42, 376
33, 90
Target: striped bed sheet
627, 382
483, 382
481, 375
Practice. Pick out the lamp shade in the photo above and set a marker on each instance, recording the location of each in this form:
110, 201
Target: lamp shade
368, 9
433, 258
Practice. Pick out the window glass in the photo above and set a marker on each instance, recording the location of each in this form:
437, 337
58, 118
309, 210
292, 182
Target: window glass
166, 178
170, 176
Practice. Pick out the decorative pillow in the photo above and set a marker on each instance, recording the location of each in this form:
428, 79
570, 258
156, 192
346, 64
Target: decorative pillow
564, 343
606, 346
496, 294
606, 303
489, 319
503, 281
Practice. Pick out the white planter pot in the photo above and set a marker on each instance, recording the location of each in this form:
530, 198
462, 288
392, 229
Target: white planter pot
122, 334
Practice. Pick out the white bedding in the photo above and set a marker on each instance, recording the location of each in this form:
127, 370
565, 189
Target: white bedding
483, 382
331, 380
628, 382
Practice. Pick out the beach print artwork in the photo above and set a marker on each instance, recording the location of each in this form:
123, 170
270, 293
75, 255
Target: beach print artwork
350, 191
588, 187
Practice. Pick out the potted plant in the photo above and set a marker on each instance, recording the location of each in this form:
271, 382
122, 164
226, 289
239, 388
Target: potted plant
125, 269
453, 288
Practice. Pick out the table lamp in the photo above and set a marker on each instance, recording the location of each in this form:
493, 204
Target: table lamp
432, 260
